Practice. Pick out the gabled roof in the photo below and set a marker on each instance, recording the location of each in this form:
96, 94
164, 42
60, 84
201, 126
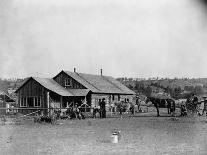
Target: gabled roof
5, 96
93, 83
49, 84
100, 83
53, 86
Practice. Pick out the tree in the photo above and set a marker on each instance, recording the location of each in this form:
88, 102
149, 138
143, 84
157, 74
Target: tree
130, 86
148, 91
198, 90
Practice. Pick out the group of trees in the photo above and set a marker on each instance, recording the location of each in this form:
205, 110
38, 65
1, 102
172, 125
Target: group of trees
5, 84
175, 92
141, 88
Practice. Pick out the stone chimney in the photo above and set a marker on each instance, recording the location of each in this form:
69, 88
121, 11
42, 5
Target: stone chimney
74, 70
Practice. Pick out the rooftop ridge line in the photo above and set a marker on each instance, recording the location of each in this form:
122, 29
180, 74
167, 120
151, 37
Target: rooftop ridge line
86, 81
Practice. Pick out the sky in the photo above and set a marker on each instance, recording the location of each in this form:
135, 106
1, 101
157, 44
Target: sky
136, 38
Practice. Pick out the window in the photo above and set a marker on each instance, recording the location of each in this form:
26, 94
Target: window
37, 102
23, 102
68, 82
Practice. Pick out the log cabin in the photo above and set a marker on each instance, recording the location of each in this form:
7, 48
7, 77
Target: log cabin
67, 88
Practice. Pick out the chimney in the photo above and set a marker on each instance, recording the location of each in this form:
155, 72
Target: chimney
101, 72
74, 70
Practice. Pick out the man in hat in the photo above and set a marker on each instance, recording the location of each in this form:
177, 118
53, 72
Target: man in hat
100, 109
103, 108
172, 107
205, 105
195, 99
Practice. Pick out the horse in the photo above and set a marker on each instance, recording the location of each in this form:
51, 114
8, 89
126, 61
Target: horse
162, 103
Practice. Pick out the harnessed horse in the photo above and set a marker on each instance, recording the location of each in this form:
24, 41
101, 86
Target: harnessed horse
162, 103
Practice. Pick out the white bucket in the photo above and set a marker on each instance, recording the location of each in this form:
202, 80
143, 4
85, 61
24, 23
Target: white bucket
115, 138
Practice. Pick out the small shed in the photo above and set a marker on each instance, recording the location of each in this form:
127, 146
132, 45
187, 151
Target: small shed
5, 103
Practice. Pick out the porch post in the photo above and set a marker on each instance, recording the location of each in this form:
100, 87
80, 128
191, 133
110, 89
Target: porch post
48, 103
61, 102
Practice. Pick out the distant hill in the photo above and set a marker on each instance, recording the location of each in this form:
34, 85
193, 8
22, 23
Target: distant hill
177, 88
171, 83
176, 83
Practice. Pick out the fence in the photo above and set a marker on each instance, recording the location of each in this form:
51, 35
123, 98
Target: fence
88, 111
4, 111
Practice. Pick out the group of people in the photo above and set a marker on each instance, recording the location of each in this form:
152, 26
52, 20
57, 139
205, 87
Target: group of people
201, 107
101, 109
195, 106
121, 106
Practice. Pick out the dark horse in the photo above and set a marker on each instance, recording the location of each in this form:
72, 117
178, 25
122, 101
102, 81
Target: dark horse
162, 103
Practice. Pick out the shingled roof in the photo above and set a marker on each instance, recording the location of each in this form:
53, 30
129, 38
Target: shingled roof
5, 96
53, 86
100, 83
93, 83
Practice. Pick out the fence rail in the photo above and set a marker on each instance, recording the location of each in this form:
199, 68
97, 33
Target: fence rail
86, 110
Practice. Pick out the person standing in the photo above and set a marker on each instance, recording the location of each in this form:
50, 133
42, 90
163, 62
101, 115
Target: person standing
100, 110
172, 108
205, 106
168, 106
195, 103
103, 107
195, 99
138, 104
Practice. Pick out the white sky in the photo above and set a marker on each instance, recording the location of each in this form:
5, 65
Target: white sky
136, 38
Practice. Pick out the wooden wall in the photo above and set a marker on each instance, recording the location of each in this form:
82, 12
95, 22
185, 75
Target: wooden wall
110, 98
60, 78
32, 89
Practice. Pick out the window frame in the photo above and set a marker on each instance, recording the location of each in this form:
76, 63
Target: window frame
23, 102
68, 82
37, 102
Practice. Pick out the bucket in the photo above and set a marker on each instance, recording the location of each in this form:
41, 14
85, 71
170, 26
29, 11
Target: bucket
115, 138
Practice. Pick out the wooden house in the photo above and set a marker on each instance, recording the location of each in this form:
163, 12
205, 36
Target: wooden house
5, 102
67, 88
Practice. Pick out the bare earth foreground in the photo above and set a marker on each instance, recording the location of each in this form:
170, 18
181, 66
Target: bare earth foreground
139, 135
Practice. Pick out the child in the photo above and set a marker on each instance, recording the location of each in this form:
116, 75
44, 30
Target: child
183, 110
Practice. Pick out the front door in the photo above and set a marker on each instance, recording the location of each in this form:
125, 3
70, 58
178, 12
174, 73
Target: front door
30, 102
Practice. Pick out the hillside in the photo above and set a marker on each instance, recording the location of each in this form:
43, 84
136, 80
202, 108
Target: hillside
10, 85
177, 88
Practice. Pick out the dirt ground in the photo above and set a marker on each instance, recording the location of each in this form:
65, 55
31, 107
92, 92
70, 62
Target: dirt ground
144, 134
